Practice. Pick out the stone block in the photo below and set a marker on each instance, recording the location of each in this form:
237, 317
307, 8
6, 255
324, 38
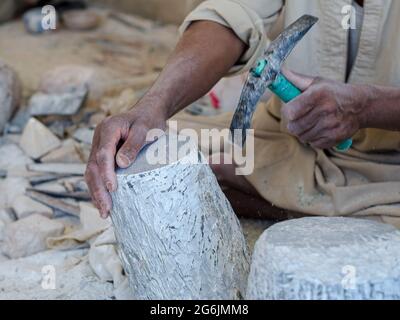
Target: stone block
326, 259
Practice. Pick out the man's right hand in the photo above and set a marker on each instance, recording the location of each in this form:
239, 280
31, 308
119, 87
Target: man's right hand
116, 142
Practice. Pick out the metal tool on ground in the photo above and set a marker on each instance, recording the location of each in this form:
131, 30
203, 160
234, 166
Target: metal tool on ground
267, 74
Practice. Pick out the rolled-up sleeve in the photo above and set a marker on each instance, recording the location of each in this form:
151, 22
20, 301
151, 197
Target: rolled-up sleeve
249, 19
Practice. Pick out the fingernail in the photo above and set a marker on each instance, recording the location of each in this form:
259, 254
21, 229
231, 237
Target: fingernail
123, 160
110, 186
103, 206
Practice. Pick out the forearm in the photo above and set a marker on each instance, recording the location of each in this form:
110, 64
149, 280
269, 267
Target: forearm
382, 108
204, 55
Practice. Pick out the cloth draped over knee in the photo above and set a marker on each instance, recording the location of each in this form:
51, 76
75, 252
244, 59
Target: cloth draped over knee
364, 181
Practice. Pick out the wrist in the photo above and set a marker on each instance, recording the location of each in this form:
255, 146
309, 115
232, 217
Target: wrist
151, 106
366, 96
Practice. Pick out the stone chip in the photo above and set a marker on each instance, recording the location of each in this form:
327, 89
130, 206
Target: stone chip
24, 206
28, 236
37, 140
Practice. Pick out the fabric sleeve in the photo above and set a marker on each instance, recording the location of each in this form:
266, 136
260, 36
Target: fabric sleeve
249, 19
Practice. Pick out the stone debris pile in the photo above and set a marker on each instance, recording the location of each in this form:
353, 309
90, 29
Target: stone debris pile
47, 221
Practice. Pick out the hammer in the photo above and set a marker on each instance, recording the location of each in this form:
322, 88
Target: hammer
267, 74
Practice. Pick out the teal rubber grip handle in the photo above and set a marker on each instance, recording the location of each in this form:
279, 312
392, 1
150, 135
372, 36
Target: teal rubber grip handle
286, 91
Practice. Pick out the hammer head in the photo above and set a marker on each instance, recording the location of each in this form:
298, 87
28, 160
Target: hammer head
265, 72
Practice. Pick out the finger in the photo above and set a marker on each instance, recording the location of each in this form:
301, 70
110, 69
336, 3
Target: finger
323, 129
299, 107
101, 198
305, 123
301, 81
322, 143
327, 142
131, 147
105, 155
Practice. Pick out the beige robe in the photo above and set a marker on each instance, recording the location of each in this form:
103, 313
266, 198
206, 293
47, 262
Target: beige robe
364, 181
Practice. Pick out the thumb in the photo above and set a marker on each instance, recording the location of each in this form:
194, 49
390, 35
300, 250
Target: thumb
131, 147
301, 81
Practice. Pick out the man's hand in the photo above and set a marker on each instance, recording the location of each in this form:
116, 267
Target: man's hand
117, 141
204, 54
326, 113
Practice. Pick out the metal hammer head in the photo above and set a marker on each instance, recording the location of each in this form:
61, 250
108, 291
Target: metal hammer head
283, 45
265, 72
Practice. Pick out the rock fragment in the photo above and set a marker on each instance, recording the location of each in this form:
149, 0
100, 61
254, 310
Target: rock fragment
2, 228
14, 157
84, 135
37, 140
321, 258
28, 236
10, 94
176, 220
24, 206
67, 153
14, 187
59, 168
67, 103
7, 216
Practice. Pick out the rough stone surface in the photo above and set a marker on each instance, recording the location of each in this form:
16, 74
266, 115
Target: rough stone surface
67, 103
50, 187
326, 259
37, 140
84, 135
24, 206
2, 228
60, 168
28, 236
60, 78
25, 278
178, 235
15, 187
67, 153
7, 216
10, 94
15, 158
33, 21
3, 258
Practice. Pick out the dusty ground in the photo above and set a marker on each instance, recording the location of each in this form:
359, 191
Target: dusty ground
121, 57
